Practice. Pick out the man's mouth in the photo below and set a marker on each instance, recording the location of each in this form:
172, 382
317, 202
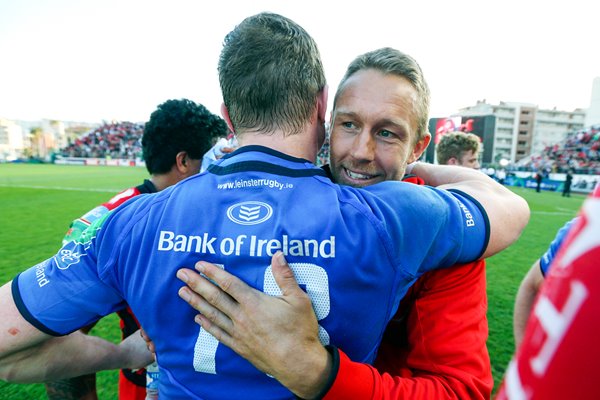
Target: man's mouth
357, 175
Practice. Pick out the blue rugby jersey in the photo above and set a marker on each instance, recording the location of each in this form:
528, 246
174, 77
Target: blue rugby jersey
355, 252
548, 257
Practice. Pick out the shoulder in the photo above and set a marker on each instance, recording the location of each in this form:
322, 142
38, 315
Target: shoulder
121, 198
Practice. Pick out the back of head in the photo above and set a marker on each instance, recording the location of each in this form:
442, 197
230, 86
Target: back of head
455, 144
175, 126
271, 73
393, 62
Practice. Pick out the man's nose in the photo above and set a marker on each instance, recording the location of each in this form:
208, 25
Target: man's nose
363, 147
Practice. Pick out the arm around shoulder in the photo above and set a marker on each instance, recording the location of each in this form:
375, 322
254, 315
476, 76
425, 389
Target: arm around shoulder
28, 355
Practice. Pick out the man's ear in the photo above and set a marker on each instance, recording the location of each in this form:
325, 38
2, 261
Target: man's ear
181, 162
225, 114
452, 161
419, 148
322, 104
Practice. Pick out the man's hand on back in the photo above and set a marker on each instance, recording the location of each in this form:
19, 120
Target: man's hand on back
278, 334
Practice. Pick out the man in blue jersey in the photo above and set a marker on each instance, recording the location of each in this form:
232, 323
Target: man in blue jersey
265, 197
532, 282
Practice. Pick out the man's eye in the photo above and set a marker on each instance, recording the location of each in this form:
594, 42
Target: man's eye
386, 134
348, 124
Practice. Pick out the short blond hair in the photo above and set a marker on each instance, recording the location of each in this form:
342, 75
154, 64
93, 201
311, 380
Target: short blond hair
390, 61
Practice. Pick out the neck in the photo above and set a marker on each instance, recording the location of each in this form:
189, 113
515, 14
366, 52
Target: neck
304, 144
163, 181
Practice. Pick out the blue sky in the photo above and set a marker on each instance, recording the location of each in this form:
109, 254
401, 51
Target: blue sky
118, 59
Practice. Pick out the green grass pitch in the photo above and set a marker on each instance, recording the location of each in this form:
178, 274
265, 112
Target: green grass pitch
37, 203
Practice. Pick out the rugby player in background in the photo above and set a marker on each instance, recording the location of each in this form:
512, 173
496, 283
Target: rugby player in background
459, 148
175, 138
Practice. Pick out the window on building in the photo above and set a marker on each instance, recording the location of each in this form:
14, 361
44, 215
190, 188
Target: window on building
523, 132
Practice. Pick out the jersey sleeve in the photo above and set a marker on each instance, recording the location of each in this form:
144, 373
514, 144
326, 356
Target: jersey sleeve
67, 291
430, 228
548, 257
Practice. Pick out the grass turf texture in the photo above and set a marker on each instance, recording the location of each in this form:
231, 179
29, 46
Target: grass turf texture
37, 203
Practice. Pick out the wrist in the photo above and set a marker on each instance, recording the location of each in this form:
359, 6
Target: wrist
316, 378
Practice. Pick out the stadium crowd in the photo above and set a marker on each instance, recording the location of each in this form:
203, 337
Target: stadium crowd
579, 152
116, 140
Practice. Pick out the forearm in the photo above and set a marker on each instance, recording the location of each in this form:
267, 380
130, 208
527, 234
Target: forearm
63, 357
363, 382
524, 301
523, 304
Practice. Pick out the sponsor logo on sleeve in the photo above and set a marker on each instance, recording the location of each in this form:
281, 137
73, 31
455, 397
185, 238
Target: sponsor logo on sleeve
40, 274
468, 216
67, 257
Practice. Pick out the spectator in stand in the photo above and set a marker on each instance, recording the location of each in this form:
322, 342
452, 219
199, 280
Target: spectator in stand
178, 133
459, 148
558, 356
435, 346
567, 185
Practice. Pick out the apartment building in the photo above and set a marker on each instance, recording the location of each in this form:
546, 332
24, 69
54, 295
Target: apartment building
12, 140
522, 129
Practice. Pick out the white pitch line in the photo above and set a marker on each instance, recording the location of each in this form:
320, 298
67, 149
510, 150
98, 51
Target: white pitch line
61, 188
562, 209
571, 213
